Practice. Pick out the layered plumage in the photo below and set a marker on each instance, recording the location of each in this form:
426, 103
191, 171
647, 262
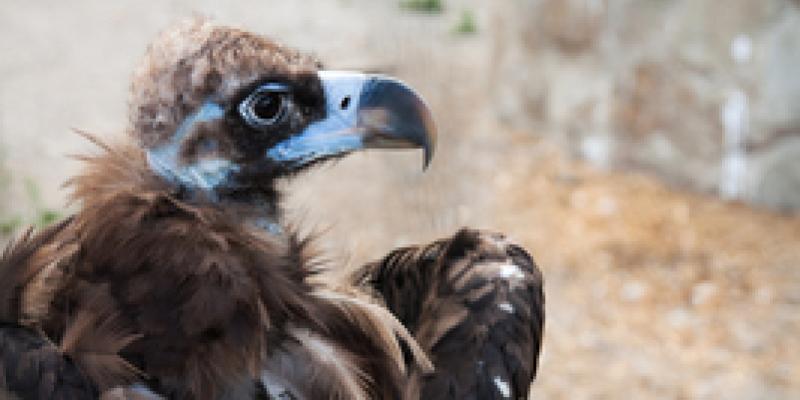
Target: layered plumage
177, 278
474, 302
197, 298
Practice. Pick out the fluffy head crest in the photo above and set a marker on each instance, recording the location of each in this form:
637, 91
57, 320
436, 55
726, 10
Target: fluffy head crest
196, 60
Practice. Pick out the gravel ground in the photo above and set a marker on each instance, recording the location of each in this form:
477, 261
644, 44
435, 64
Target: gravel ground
651, 293
654, 293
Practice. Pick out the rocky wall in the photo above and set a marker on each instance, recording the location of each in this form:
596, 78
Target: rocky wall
702, 93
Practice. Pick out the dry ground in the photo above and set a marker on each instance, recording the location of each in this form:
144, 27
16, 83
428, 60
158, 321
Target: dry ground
654, 293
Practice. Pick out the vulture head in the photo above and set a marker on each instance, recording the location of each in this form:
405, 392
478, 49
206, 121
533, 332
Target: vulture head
224, 113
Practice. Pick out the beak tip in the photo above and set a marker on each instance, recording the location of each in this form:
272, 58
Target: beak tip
429, 136
427, 152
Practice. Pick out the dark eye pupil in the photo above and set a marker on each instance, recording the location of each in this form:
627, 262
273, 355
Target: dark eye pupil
267, 106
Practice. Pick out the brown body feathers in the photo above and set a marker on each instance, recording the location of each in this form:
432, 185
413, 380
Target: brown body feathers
177, 279
474, 303
193, 299
198, 303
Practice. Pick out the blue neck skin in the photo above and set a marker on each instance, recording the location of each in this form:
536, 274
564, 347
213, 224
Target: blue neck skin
204, 175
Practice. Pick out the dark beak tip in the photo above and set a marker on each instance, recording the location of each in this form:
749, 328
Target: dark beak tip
429, 145
398, 116
426, 162
426, 134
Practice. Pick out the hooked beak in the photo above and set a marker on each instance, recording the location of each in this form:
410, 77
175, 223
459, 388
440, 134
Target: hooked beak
362, 112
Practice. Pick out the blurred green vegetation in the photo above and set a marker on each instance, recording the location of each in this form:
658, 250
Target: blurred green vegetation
12, 220
42, 215
466, 25
429, 6
8, 224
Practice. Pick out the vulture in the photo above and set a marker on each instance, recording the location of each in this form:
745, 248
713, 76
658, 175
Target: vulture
179, 278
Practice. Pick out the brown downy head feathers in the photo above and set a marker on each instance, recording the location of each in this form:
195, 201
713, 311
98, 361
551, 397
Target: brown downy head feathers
195, 60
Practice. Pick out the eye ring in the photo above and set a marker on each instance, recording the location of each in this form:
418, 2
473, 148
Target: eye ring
266, 106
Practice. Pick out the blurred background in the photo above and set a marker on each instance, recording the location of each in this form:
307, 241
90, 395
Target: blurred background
647, 152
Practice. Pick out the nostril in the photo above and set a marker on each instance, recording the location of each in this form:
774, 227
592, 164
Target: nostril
345, 103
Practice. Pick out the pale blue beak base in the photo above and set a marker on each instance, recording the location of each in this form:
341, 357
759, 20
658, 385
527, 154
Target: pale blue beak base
352, 102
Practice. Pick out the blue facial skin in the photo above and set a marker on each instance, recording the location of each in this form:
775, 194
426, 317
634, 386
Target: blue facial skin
404, 122
360, 111
390, 108
337, 133
315, 142
205, 174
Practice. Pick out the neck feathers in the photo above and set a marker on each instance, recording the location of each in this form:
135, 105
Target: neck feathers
125, 170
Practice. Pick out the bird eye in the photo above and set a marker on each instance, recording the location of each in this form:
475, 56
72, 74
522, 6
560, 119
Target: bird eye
265, 107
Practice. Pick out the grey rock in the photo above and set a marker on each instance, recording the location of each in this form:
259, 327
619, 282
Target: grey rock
701, 93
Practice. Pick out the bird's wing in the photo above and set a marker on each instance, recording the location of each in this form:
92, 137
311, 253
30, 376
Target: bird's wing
23, 260
31, 366
475, 303
86, 356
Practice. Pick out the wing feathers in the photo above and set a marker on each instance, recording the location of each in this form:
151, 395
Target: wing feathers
387, 331
474, 302
21, 261
94, 340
